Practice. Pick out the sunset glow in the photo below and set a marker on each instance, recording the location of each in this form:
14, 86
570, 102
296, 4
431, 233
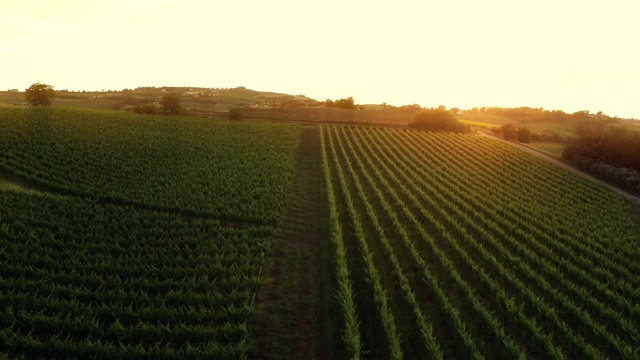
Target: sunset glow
568, 55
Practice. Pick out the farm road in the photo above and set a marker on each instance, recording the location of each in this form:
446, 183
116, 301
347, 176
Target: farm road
634, 199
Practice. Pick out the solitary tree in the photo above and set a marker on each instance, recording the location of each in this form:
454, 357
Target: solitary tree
40, 94
170, 104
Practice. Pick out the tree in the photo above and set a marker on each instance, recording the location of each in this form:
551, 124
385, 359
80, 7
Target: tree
347, 103
147, 108
509, 132
524, 135
438, 120
40, 94
170, 104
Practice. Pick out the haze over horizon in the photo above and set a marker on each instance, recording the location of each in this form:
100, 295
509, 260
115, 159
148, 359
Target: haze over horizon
565, 55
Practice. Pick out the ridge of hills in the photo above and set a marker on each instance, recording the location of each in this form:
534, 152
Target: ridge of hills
280, 106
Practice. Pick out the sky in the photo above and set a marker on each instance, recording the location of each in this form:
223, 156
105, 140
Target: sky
560, 54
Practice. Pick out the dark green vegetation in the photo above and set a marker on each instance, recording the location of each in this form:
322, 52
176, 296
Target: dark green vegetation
170, 104
185, 237
611, 152
40, 94
235, 114
438, 120
163, 163
458, 246
150, 239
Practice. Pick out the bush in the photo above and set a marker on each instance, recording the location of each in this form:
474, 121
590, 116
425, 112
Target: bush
148, 108
235, 114
438, 120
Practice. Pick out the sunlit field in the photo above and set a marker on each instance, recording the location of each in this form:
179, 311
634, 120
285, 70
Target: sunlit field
459, 246
141, 236
146, 236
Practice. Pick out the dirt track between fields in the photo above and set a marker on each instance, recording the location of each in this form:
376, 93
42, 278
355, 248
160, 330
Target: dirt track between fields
634, 199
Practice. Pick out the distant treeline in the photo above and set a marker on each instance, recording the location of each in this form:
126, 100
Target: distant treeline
615, 145
438, 120
528, 114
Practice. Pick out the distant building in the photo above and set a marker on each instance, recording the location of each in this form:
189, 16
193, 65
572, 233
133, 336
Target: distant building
13, 90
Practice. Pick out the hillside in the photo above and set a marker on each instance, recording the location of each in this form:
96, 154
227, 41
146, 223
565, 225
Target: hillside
194, 99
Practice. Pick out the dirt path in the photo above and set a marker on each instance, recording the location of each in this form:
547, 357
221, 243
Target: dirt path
634, 199
290, 322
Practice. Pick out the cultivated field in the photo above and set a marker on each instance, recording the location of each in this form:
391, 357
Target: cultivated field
133, 236
458, 246
146, 237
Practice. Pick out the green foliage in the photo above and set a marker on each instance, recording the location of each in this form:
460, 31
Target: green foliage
615, 145
235, 114
170, 104
524, 135
351, 331
148, 108
151, 160
347, 103
475, 223
149, 284
155, 251
438, 120
623, 177
40, 94
509, 132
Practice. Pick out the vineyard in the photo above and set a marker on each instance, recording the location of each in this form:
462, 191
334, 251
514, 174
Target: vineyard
135, 236
458, 246
145, 238
234, 171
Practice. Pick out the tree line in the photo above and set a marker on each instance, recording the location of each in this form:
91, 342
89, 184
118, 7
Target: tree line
610, 152
438, 120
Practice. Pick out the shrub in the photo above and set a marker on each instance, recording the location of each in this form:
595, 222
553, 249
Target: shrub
148, 108
235, 114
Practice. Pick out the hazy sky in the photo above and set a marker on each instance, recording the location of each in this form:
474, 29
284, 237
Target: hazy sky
559, 54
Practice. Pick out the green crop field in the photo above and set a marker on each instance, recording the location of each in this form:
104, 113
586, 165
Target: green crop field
458, 246
135, 236
146, 238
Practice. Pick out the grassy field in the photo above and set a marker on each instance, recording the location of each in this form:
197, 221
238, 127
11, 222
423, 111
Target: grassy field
490, 119
187, 237
550, 148
566, 129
